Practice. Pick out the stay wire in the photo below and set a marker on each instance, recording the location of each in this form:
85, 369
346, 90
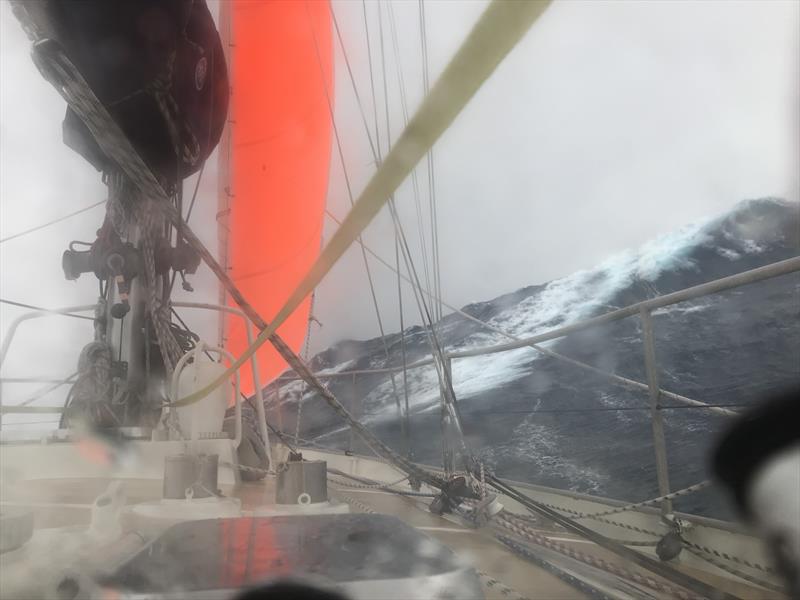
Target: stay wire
403, 350
376, 147
46, 390
391, 197
441, 371
414, 174
434, 217
44, 310
208, 142
443, 374
194, 193
49, 223
424, 312
348, 185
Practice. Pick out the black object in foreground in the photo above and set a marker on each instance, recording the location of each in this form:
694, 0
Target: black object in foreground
289, 590
758, 460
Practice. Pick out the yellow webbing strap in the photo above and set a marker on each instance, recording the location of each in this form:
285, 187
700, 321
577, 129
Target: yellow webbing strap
499, 29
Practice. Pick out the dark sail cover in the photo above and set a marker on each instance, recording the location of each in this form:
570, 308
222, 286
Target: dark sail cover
159, 68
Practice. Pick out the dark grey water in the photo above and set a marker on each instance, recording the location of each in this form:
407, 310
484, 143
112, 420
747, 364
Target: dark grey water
535, 419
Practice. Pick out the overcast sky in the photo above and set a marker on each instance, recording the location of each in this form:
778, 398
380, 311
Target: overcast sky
609, 124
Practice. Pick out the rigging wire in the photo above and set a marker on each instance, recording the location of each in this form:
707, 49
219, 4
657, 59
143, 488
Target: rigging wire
350, 197
434, 216
199, 176
44, 310
404, 360
659, 568
376, 153
46, 422
449, 406
448, 396
49, 223
404, 431
376, 147
558, 411
443, 373
46, 390
194, 193
414, 174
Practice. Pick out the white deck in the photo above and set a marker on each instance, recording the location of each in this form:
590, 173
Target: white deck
60, 485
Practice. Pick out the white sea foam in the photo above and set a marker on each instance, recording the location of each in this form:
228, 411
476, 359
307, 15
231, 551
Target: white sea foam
560, 303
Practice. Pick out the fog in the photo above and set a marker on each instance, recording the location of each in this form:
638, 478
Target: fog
609, 124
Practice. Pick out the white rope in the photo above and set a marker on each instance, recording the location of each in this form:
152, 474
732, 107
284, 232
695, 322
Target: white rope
370, 486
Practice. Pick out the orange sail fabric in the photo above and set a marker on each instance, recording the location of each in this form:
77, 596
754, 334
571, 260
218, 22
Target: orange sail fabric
281, 60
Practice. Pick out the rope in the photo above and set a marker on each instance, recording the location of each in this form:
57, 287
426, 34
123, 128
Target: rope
579, 584
90, 394
358, 504
255, 470
389, 487
491, 583
159, 312
531, 535
728, 569
532, 520
370, 486
633, 528
53, 222
661, 569
684, 492
687, 543
729, 557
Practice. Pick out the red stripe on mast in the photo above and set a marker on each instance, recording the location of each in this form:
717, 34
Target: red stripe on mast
278, 160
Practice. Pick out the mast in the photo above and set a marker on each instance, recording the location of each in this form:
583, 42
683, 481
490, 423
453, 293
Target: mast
274, 160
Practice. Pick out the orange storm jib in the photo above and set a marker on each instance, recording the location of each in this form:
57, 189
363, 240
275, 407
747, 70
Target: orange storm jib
281, 69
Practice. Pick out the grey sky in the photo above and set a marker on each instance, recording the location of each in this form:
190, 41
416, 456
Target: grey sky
610, 123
